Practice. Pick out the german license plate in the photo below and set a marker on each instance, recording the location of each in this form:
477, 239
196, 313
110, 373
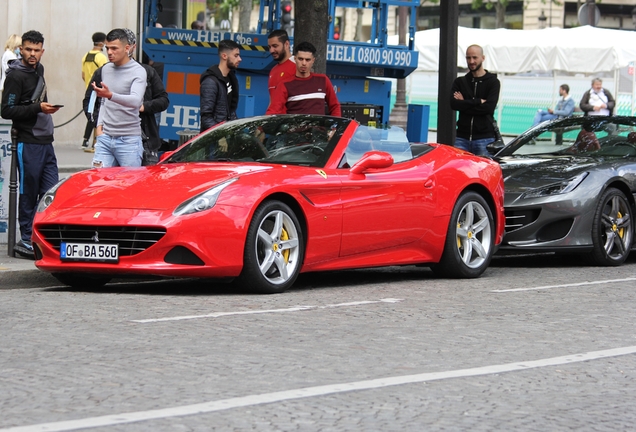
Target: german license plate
98, 252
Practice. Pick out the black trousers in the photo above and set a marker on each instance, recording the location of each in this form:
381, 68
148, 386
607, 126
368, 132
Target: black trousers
88, 130
37, 167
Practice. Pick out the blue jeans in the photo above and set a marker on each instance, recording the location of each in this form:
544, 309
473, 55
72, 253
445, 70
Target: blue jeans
477, 147
542, 116
118, 151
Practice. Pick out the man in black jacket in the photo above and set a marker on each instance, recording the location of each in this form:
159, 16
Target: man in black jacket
24, 101
155, 101
475, 96
219, 87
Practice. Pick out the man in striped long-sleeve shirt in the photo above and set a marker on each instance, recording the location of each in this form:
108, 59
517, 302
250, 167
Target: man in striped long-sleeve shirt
306, 92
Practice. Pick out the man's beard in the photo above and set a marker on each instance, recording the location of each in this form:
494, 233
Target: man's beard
278, 56
476, 67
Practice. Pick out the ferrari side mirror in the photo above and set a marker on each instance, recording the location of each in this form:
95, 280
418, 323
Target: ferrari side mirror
372, 159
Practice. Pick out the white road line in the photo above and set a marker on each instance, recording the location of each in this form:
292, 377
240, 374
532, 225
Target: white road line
263, 311
281, 396
599, 282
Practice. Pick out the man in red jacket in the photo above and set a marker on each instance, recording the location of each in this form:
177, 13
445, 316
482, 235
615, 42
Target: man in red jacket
306, 92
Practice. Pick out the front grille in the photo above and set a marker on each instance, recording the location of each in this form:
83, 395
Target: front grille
131, 239
516, 219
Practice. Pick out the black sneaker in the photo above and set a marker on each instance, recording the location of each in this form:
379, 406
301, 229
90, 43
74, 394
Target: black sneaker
25, 249
85, 144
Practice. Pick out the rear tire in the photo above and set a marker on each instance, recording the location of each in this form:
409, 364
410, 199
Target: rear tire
81, 281
274, 250
470, 239
612, 229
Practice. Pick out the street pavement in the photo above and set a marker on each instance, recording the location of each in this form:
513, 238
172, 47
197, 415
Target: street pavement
535, 344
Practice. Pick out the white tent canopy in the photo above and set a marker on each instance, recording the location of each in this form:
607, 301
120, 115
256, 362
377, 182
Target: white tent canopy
581, 50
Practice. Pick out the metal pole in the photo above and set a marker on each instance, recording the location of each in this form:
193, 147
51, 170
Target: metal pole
399, 113
591, 12
140, 31
13, 192
633, 87
449, 18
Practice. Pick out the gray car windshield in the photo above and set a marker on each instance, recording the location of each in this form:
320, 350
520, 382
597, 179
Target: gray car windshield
286, 139
585, 136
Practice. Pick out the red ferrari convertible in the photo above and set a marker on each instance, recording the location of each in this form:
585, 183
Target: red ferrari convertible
260, 200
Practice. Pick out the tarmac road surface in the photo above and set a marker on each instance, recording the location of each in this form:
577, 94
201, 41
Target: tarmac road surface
537, 343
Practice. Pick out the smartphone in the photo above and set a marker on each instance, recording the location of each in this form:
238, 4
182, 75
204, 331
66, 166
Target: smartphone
58, 106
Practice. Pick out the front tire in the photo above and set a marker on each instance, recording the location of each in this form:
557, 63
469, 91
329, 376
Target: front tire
612, 229
274, 250
470, 239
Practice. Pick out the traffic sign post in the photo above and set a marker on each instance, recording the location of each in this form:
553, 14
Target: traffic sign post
589, 14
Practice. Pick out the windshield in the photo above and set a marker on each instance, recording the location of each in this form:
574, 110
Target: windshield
286, 139
587, 136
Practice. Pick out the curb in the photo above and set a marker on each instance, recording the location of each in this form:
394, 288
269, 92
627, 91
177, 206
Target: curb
71, 169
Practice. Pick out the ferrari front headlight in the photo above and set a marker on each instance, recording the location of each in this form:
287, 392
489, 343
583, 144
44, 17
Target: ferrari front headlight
49, 196
561, 187
203, 201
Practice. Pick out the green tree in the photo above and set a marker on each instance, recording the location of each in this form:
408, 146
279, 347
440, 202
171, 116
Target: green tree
500, 9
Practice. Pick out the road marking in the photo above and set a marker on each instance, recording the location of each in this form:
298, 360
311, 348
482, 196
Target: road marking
565, 285
264, 311
281, 396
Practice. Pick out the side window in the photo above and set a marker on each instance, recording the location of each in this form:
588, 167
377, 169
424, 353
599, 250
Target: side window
392, 140
359, 144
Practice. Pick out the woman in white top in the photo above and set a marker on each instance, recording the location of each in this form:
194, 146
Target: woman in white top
11, 50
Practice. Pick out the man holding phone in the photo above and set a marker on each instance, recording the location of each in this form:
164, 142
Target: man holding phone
122, 91
24, 101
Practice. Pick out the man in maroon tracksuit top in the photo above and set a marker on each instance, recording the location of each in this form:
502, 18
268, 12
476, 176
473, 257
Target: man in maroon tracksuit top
306, 93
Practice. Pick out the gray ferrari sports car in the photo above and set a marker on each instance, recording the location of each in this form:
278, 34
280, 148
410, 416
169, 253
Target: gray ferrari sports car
569, 187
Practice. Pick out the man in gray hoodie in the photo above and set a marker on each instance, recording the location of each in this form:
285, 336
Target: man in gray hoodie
122, 91
24, 101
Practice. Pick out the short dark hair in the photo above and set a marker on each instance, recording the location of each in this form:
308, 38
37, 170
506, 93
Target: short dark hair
118, 34
99, 37
280, 34
228, 45
305, 47
566, 88
33, 36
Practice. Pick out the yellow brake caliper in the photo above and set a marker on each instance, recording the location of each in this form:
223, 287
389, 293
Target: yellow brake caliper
284, 236
614, 227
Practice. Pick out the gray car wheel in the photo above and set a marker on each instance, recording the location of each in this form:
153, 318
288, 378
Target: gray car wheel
274, 249
612, 229
470, 239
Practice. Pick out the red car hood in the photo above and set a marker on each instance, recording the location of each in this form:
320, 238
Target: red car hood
158, 187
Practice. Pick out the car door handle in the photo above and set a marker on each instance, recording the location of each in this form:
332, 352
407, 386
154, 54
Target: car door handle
429, 183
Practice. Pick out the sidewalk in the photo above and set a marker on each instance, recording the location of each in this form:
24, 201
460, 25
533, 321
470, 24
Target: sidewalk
70, 158
9, 264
